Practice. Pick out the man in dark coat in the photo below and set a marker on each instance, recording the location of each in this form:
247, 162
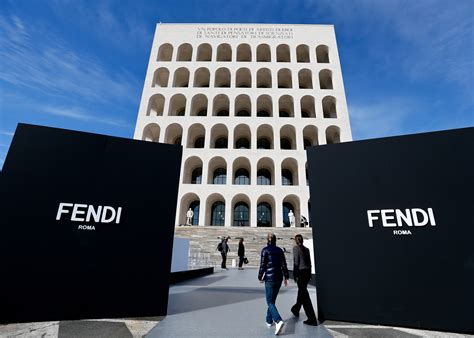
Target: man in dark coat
302, 275
224, 250
272, 271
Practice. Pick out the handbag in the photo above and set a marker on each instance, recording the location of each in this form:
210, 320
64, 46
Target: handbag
246, 261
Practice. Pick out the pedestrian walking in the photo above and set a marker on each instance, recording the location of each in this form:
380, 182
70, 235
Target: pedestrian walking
241, 253
302, 275
273, 271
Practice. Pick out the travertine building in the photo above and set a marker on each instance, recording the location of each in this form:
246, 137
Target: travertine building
244, 101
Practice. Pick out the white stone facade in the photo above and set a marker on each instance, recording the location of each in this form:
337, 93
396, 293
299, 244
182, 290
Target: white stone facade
251, 91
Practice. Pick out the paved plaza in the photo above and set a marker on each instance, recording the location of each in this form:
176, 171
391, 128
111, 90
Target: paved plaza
225, 304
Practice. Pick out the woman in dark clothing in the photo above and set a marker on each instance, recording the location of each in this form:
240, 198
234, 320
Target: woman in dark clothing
302, 275
241, 253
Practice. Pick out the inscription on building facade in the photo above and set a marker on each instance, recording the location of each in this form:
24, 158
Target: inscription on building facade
244, 33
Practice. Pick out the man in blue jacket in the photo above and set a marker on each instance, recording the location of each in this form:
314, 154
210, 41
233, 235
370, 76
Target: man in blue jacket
272, 271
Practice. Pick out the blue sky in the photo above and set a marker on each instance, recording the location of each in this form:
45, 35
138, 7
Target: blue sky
408, 66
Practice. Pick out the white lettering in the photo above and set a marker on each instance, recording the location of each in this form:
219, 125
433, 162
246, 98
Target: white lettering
61, 210
371, 217
385, 218
104, 215
405, 216
401, 232
431, 215
76, 212
119, 213
416, 220
86, 227
95, 214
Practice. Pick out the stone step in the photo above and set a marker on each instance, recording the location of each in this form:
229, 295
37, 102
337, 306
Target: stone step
203, 242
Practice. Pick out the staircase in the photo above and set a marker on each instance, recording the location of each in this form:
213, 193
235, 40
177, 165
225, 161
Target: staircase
203, 242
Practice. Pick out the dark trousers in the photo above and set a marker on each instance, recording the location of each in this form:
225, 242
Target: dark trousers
224, 260
303, 298
241, 261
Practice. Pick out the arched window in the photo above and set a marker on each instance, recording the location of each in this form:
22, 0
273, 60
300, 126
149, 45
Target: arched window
244, 53
283, 53
204, 52
286, 210
307, 143
286, 177
302, 53
322, 54
177, 105
156, 105
161, 77
333, 135
284, 78
185, 52
196, 177
263, 143
218, 213
242, 143
151, 133
264, 177
263, 53
305, 79
243, 78
222, 79
242, 177
241, 214
264, 215
264, 78
243, 106
173, 134
201, 77
195, 139
221, 105
199, 105
325, 79
264, 106
165, 52
307, 107
286, 106
329, 107
181, 77
224, 52
220, 176
194, 206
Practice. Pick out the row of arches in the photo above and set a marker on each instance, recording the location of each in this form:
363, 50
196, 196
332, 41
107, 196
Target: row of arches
244, 53
242, 106
242, 172
242, 136
243, 78
264, 210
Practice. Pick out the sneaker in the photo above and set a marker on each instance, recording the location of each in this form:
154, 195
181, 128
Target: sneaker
311, 322
269, 325
279, 327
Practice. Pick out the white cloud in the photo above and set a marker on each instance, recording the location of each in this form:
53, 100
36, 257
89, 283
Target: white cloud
35, 58
380, 119
78, 114
6, 133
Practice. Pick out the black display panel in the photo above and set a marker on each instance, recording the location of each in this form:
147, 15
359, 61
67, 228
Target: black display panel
87, 224
393, 230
